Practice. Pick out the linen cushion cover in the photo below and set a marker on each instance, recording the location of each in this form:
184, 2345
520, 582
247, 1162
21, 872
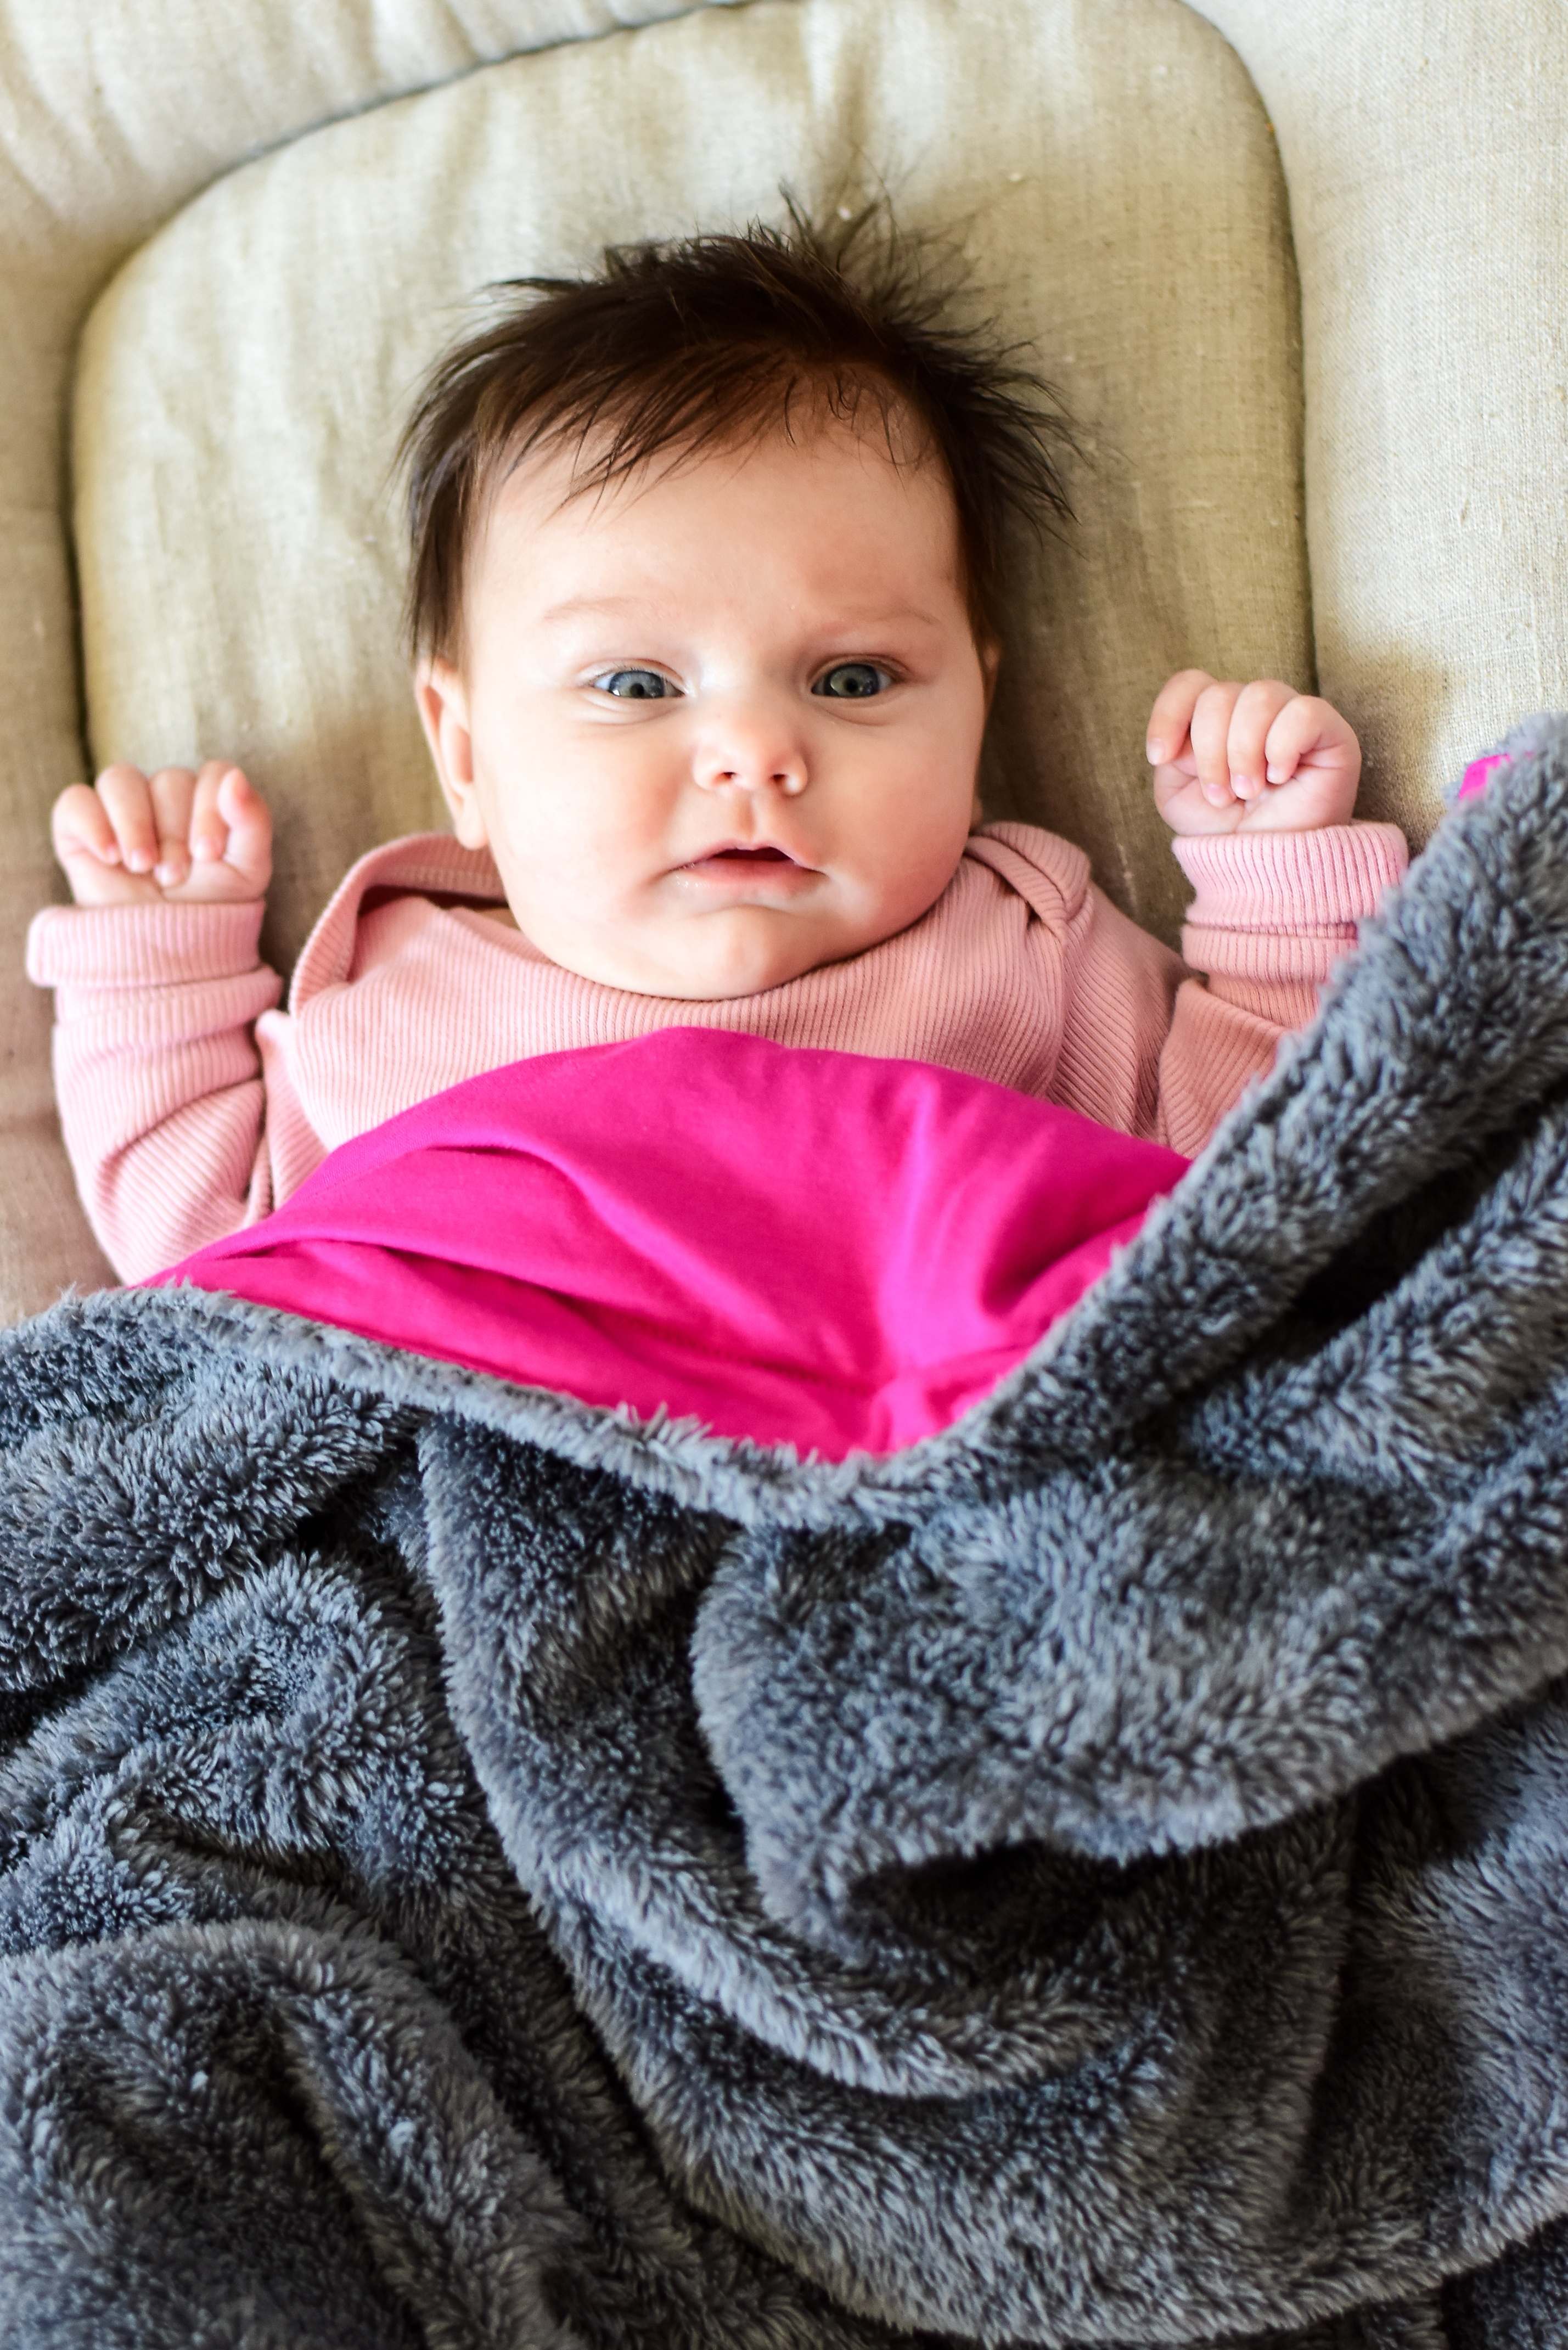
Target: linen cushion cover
1423, 145
1111, 174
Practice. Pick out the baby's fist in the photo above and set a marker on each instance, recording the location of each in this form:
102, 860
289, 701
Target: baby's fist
176, 837
1253, 758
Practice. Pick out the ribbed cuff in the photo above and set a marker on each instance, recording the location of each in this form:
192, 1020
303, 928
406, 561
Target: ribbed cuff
1304, 883
141, 946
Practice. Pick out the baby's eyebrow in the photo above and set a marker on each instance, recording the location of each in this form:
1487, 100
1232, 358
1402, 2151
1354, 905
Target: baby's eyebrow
849, 624
575, 605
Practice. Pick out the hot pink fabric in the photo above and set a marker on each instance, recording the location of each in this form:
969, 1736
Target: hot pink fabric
1479, 774
822, 1249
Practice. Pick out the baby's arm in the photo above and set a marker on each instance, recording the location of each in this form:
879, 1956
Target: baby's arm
1259, 783
158, 989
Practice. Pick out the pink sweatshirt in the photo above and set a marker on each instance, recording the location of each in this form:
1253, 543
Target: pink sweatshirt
191, 1106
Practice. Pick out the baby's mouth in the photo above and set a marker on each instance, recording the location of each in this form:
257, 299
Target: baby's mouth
737, 855
767, 866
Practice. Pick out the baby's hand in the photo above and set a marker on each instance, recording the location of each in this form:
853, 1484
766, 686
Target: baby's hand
1257, 758
174, 837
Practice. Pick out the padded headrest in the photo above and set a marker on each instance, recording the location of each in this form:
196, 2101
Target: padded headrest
1109, 173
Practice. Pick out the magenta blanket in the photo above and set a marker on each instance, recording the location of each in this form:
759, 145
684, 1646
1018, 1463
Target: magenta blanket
811, 1247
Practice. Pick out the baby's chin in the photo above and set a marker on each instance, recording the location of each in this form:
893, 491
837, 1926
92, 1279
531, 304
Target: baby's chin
716, 958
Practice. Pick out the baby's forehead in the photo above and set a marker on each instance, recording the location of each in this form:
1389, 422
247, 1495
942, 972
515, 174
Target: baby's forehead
802, 532
880, 459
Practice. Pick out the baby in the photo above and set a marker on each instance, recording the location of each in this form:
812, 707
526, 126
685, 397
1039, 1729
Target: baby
706, 605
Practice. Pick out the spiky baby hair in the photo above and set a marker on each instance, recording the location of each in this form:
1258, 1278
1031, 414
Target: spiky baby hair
712, 341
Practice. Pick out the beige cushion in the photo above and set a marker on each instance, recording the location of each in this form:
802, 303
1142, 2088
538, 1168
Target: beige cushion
1426, 144
115, 113
242, 380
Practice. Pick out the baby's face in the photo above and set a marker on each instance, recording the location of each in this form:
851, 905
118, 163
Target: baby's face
722, 723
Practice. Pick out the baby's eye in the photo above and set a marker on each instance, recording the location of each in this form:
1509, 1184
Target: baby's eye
853, 681
636, 685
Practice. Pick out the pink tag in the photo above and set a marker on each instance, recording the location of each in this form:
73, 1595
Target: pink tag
1478, 774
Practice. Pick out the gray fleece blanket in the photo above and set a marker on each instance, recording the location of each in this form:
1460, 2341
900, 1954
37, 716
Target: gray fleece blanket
478, 1870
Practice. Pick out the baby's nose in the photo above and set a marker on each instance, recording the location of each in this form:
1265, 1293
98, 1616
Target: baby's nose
789, 780
753, 753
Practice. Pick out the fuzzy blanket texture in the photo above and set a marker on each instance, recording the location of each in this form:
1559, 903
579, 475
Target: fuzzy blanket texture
479, 1869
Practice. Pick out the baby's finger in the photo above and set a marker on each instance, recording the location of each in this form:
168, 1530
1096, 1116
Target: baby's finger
79, 827
249, 821
1171, 716
1211, 740
127, 797
1256, 707
174, 790
1303, 726
209, 817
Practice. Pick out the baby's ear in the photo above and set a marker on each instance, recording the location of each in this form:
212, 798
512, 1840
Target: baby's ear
989, 653
442, 700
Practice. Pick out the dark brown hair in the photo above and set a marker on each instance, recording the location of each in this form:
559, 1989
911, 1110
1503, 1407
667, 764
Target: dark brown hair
708, 341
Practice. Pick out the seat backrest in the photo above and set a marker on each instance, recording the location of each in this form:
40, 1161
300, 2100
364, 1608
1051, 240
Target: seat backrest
1108, 172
